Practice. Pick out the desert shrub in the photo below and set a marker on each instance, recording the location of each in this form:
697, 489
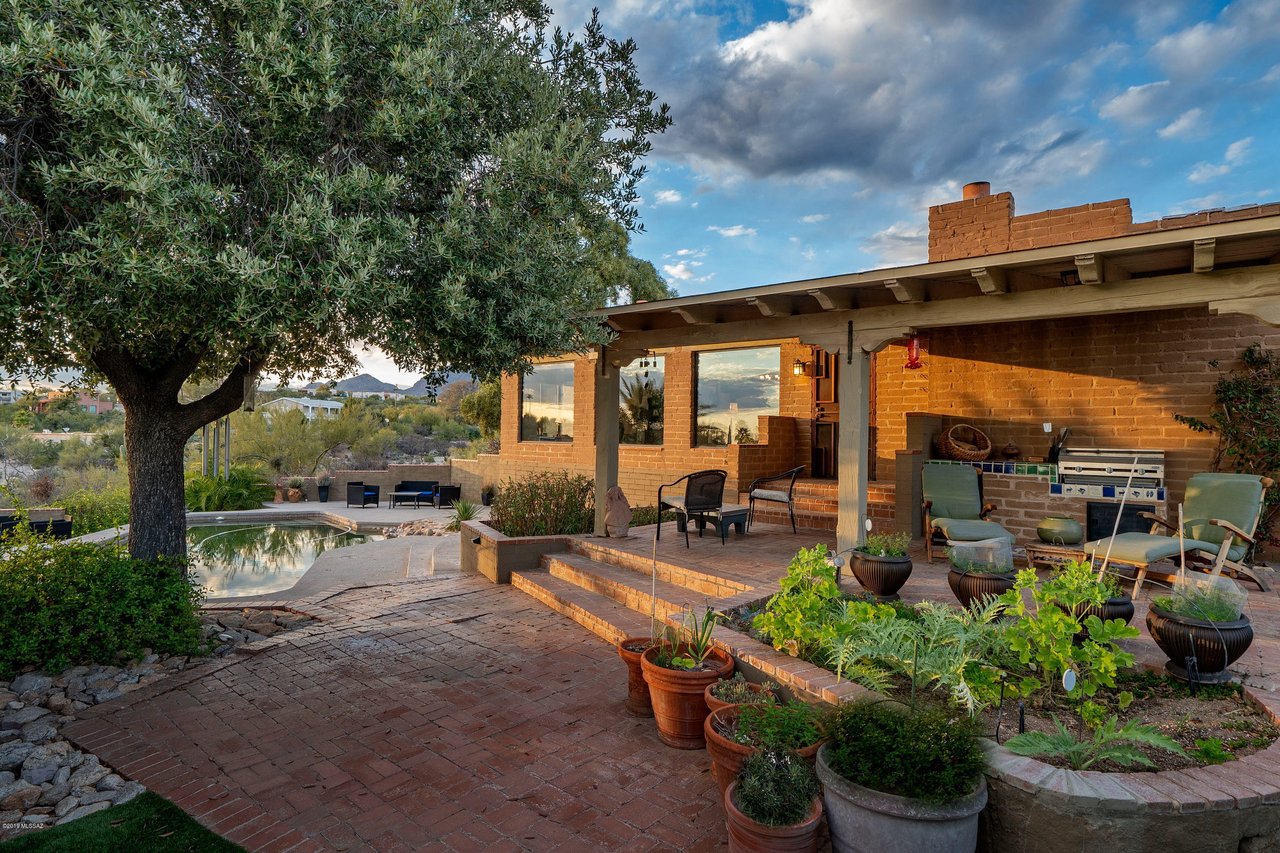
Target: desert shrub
645, 515
930, 755
244, 488
794, 725
92, 509
64, 603
547, 503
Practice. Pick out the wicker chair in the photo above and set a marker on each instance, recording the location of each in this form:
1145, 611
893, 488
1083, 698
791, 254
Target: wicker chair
703, 496
358, 494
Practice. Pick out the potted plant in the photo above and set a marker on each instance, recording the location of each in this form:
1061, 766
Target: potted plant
295, 489
1080, 590
739, 691
774, 805
1203, 620
323, 483
487, 493
678, 669
894, 779
737, 731
881, 564
973, 579
630, 649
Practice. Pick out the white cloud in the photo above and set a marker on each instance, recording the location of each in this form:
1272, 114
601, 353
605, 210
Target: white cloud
1238, 150
667, 197
682, 271
1184, 125
900, 244
1235, 155
690, 253
732, 230
1206, 46
1272, 75
815, 217
809, 254
1137, 104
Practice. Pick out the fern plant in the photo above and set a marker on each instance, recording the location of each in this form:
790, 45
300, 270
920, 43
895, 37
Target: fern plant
1109, 742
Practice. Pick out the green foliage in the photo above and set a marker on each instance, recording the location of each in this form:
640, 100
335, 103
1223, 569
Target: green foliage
1044, 637
641, 412
68, 603
689, 645
930, 755
776, 788
886, 544
1200, 601
243, 488
1211, 751
794, 725
1246, 419
1107, 742
646, 515
462, 511
1077, 583
795, 617
626, 277
738, 691
545, 503
483, 408
91, 510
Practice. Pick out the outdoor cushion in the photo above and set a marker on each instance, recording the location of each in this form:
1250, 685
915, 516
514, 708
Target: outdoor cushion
969, 530
953, 489
1143, 549
675, 501
769, 495
1236, 498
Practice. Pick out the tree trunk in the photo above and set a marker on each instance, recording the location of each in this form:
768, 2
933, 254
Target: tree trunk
154, 449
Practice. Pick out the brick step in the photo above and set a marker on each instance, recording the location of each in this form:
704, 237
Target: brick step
624, 586
703, 583
598, 613
805, 520
805, 503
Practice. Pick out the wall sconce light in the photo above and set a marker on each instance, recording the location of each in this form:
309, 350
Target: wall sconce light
1069, 278
800, 368
913, 354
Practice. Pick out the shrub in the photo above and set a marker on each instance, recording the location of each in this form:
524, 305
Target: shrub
64, 603
886, 544
738, 691
244, 488
776, 788
92, 510
462, 511
930, 755
547, 503
794, 725
642, 516
794, 617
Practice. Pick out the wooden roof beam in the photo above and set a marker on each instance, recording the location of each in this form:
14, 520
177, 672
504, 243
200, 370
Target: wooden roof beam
1098, 269
991, 280
771, 306
907, 289
1202, 252
833, 300
696, 315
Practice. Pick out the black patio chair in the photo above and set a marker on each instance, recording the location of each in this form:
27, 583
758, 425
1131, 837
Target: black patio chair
757, 492
703, 494
360, 495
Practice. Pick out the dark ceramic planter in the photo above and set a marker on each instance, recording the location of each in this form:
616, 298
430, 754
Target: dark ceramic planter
322, 492
880, 576
747, 836
1119, 607
1216, 645
1057, 530
637, 704
976, 586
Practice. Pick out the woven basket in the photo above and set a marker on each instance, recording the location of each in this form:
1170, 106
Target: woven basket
963, 442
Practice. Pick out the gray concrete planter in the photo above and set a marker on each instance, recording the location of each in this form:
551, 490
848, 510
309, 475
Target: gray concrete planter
487, 552
866, 821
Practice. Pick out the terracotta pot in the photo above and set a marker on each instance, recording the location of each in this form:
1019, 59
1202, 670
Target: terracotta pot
727, 755
714, 704
295, 495
747, 836
279, 496
975, 586
1216, 645
880, 576
637, 704
679, 697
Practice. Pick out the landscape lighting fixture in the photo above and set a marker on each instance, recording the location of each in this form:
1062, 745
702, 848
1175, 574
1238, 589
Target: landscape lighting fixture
800, 368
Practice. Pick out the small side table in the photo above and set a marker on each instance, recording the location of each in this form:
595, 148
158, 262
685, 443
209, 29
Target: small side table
1053, 556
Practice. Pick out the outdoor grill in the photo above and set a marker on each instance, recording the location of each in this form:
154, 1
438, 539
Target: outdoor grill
1108, 466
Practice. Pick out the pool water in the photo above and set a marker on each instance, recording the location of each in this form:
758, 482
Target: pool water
233, 560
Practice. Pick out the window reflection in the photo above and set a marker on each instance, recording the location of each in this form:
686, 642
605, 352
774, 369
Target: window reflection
546, 403
733, 388
640, 401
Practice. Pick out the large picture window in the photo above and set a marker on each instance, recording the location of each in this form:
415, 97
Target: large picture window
640, 401
546, 403
733, 388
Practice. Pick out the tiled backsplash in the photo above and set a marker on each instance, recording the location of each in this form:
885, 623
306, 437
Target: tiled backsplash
1031, 469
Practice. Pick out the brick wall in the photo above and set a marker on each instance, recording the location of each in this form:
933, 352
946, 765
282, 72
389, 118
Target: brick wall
970, 228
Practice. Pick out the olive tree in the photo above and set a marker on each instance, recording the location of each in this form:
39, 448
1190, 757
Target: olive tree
208, 190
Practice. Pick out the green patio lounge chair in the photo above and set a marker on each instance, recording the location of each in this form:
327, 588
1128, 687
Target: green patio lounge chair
953, 507
1220, 516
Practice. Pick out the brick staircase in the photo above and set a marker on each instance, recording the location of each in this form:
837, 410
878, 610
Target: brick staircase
816, 505
610, 592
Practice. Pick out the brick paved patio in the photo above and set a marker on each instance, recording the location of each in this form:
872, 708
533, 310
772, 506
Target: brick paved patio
443, 714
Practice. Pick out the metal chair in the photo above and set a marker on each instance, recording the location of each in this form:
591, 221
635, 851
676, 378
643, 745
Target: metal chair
755, 493
359, 494
703, 494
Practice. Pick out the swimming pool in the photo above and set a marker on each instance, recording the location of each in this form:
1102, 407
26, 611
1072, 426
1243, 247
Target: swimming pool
234, 560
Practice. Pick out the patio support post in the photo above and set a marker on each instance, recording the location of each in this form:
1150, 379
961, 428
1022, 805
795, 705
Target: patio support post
607, 390
855, 427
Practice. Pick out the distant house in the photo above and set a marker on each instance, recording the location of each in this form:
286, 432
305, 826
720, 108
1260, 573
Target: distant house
8, 395
310, 408
90, 403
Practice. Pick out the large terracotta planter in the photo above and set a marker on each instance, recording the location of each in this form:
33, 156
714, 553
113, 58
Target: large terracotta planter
976, 586
637, 703
863, 820
1216, 645
880, 576
727, 755
679, 697
747, 836
714, 704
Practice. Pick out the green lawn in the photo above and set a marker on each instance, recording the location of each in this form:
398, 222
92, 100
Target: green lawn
148, 823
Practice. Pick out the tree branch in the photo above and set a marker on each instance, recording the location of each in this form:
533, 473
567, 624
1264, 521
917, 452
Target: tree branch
224, 399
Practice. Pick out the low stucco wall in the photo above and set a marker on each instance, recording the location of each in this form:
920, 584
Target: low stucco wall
495, 556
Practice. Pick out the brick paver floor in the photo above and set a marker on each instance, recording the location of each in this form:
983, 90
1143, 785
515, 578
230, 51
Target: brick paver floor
444, 714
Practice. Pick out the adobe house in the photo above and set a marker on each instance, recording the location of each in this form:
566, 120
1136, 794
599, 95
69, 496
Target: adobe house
1076, 317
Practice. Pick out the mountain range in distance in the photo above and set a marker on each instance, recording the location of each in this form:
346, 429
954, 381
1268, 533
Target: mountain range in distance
364, 383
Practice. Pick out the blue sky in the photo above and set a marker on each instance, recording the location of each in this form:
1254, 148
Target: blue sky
811, 137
